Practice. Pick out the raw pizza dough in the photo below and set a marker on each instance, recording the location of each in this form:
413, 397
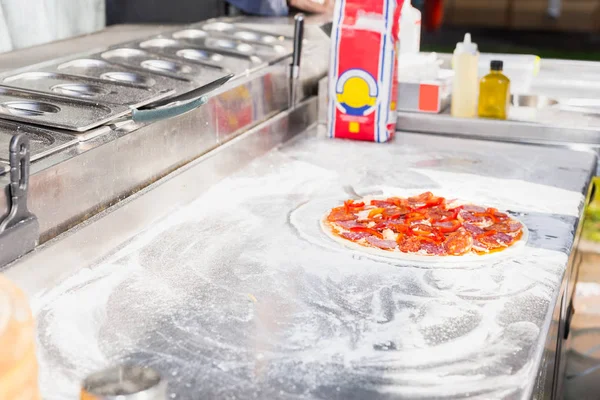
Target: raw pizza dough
510, 251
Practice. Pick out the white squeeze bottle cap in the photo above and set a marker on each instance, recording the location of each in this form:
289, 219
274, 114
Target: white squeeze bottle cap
466, 46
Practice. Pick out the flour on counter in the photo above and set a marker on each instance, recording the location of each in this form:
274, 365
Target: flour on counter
234, 296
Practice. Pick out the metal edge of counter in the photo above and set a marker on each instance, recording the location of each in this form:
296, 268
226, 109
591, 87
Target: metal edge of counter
551, 365
85, 244
506, 131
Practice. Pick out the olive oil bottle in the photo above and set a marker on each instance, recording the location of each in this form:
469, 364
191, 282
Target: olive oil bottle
494, 93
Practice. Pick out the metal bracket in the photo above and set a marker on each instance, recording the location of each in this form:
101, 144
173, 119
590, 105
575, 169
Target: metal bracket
296, 56
19, 230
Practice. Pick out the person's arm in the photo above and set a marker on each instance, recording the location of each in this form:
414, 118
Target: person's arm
313, 6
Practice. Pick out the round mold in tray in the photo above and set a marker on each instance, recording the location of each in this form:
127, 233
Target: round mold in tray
190, 34
128, 77
199, 55
231, 45
158, 43
165, 66
28, 108
123, 53
218, 26
30, 76
80, 90
83, 63
255, 37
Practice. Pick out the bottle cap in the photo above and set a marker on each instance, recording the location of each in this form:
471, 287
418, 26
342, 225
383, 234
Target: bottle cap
496, 65
466, 46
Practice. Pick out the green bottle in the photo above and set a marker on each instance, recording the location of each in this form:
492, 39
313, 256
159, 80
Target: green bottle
494, 93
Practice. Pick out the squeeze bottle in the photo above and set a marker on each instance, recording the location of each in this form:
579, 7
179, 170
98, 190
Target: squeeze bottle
410, 29
466, 81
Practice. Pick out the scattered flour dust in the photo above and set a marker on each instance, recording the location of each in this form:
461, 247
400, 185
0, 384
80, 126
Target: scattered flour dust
516, 195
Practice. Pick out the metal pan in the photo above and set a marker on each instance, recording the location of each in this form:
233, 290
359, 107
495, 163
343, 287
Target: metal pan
235, 31
42, 142
144, 61
226, 44
180, 49
100, 69
86, 88
55, 111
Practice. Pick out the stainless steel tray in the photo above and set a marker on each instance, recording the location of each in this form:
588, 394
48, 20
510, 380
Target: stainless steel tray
93, 89
235, 31
42, 142
227, 44
142, 60
101, 69
180, 49
55, 111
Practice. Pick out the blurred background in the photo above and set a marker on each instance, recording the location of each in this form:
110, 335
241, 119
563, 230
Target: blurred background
548, 28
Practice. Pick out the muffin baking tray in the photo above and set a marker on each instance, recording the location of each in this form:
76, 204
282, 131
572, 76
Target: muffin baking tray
42, 142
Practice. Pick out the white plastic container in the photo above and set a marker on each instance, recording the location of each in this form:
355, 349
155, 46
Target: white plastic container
410, 29
465, 87
519, 68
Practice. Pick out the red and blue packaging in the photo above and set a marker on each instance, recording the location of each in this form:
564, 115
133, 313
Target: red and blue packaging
363, 84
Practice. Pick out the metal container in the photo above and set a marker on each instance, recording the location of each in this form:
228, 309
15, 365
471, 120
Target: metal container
144, 61
55, 111
97, 68
124, 383
42, 142
232, 30
532, 101
227, 43
80, 87
180, 49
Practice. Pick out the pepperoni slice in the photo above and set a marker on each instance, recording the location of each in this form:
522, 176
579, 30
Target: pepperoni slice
473, 208
370, 231
468, 216
340, 214
422, 230
496, 241
506, 227
348, 224
433, 249
458, 243
409, 244
355, 236
382, 203
447, 226
479, 247
473, 229
381, 243
438, 214
396, 212
496, 215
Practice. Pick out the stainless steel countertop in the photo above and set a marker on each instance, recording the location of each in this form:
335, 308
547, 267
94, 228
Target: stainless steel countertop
561, 80
240, 295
